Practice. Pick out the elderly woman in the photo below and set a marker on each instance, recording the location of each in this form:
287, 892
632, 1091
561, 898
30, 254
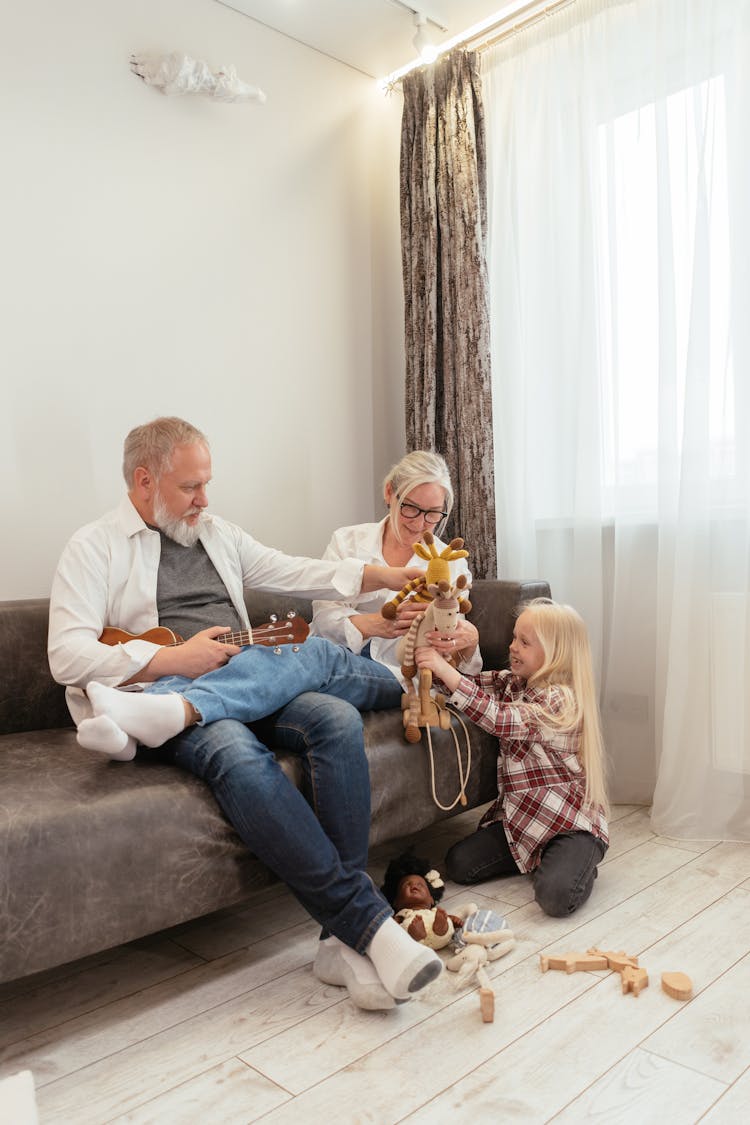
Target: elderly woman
419, 496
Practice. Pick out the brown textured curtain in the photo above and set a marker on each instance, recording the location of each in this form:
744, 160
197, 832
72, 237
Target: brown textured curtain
443, 243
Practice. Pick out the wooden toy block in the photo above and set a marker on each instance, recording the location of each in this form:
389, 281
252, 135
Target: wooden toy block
486, 996
677, 985
487, 1005
616, 960
634, 980
572, 962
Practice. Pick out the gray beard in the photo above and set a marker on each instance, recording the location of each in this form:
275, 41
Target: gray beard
185, 534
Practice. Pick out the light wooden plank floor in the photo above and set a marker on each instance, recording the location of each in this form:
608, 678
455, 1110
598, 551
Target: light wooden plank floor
222, 1020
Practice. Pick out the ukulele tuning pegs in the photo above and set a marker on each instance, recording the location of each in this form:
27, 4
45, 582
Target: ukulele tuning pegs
295, 648
277, 651
291, 615
273, 618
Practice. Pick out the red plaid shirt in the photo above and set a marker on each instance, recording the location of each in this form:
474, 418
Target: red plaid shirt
540, 780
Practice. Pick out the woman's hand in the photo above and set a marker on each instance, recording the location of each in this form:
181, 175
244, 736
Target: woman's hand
461, 642
375, 625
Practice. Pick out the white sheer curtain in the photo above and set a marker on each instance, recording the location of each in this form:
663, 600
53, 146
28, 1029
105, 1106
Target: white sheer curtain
619, 204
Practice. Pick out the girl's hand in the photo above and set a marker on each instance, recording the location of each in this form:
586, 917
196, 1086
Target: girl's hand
427, 656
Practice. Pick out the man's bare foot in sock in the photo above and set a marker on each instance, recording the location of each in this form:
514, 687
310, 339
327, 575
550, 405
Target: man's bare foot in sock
104, 736
150, 718
403, 964
336, 963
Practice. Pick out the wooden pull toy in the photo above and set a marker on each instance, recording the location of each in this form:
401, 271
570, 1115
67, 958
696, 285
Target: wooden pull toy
443, 600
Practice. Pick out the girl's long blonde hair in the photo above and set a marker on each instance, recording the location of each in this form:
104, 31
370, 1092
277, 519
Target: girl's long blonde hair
567, 664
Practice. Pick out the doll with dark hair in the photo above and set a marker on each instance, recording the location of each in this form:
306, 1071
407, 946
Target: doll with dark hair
477, 936
414, 888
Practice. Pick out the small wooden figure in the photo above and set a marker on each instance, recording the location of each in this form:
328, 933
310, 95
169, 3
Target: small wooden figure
677, 985
617, 961
486, 997
572, 962
634, 980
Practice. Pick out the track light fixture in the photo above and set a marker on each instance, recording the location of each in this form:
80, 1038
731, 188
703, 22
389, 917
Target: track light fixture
425, 23
422, 40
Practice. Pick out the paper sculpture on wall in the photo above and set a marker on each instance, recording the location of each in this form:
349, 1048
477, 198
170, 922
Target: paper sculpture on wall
179, 74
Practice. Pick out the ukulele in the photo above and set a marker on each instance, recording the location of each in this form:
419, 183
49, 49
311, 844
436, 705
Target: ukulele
291, 630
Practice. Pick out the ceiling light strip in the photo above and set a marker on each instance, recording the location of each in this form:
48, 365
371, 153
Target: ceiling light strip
510, 20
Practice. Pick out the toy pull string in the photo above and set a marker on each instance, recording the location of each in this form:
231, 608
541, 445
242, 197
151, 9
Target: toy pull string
463, 778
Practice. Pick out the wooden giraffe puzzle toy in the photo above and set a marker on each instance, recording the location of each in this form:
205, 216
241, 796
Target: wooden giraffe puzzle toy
634, 978
617, 961
572, 962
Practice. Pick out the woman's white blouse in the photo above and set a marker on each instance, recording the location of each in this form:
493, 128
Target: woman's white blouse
364, 541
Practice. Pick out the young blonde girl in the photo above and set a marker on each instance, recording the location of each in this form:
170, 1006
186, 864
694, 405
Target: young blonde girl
549, 818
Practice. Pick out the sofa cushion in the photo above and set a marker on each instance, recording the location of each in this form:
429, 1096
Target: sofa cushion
95, 852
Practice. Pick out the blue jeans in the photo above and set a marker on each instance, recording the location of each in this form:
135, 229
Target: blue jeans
260, 680
316, 844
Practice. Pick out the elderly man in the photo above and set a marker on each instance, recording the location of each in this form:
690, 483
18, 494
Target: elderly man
160, 559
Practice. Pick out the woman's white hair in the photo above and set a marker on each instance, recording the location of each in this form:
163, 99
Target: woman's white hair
415, 468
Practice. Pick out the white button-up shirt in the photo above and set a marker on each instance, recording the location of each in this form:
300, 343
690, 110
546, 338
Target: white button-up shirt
332, 618
107, 576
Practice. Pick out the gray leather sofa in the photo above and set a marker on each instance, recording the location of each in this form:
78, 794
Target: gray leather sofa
94, 853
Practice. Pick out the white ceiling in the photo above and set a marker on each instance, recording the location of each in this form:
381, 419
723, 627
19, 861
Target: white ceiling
373, 36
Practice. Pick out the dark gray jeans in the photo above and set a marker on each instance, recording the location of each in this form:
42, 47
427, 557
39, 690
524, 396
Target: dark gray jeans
563, 880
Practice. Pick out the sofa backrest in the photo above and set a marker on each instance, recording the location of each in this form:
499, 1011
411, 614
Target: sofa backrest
31, 700
493, 602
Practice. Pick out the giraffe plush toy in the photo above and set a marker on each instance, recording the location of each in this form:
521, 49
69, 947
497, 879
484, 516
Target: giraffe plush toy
444, 601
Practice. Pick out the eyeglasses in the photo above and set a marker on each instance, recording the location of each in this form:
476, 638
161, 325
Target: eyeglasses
432, 516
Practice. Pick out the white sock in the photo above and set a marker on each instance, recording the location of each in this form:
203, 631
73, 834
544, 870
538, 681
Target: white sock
403, 965
103, 735
336, 963
150, 719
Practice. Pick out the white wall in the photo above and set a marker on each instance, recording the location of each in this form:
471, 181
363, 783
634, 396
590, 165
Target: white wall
238, 265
